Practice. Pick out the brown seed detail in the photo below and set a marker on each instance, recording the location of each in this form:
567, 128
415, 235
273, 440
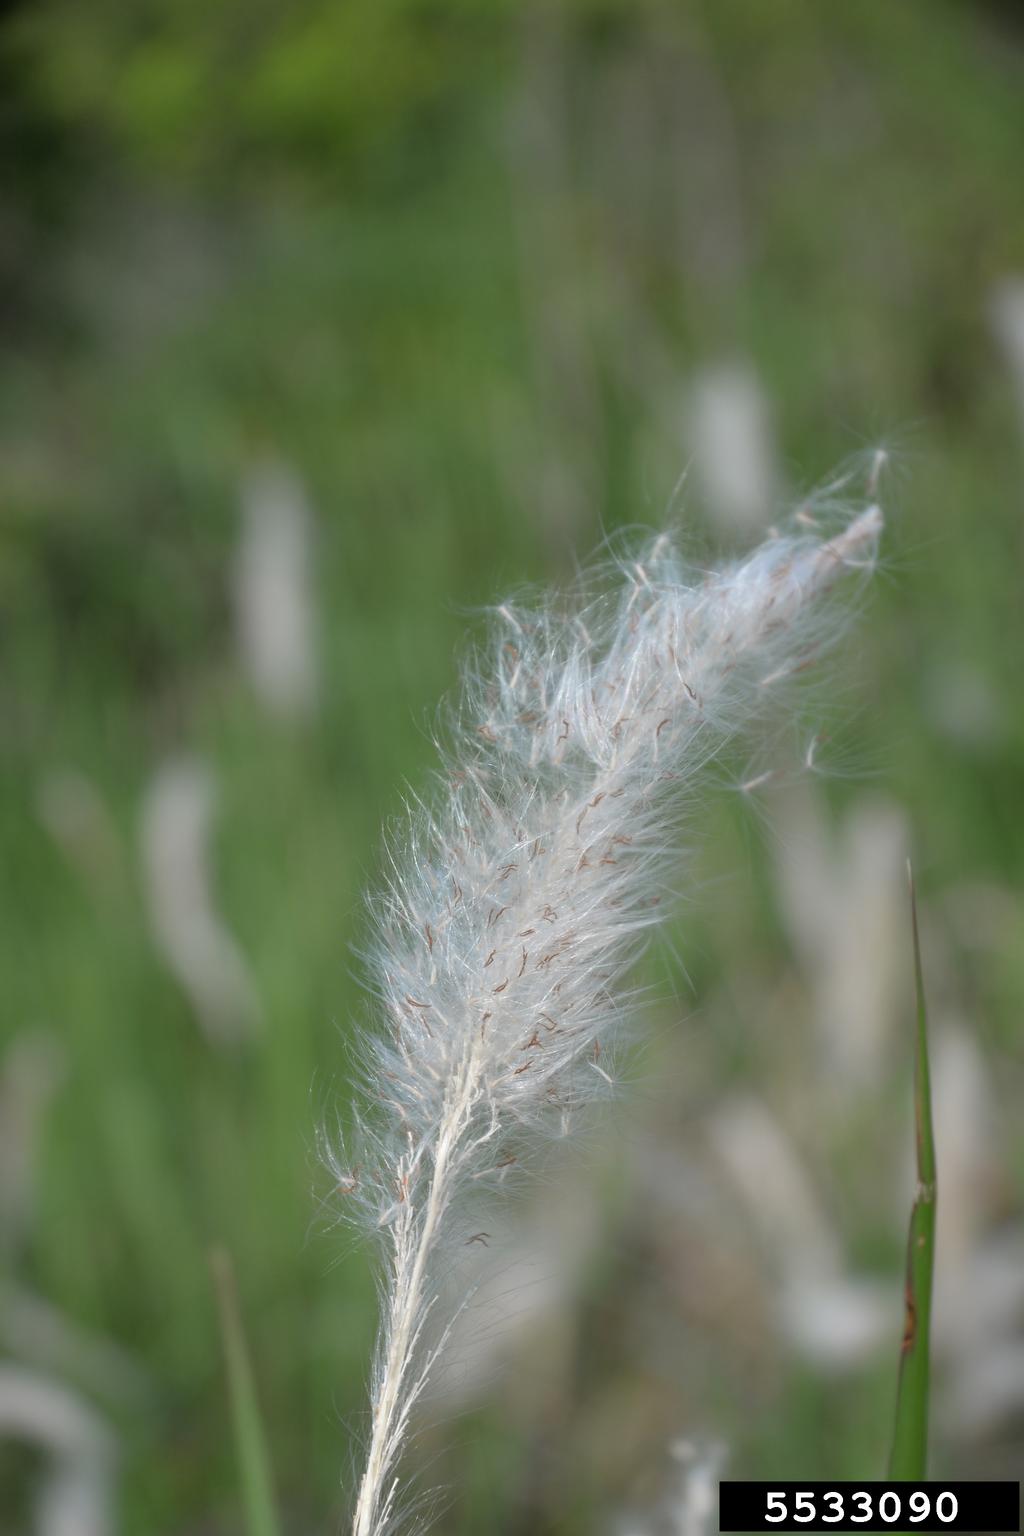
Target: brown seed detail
349, 1185
909, 1322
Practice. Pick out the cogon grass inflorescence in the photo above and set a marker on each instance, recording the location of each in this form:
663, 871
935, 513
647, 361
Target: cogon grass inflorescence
513, 908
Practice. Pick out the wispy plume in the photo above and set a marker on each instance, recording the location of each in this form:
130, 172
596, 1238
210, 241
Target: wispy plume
514, 906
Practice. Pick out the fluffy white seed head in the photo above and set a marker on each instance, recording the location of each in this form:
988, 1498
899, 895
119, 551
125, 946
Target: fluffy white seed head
514, 906
512, 909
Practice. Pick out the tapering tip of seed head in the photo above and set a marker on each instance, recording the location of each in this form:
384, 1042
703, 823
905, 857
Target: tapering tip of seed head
854, 548
858, 541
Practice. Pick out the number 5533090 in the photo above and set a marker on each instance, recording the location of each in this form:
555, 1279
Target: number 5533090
857, 1508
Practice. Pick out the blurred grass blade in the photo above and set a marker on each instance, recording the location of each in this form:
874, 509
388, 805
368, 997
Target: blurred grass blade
909, 1455
250, 1440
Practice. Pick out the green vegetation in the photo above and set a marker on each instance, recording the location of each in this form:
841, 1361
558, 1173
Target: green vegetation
255, 1473
455, 265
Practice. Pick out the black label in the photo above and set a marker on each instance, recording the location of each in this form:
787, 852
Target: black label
869, 1507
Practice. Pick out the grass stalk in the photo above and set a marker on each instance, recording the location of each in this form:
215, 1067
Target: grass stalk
908, 1458
250, 1439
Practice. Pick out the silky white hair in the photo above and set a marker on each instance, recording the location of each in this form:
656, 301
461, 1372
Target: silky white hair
515, 902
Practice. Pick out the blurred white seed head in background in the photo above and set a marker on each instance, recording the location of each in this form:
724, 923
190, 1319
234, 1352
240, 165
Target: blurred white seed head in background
690, 1506
273, 591
843, 899
978, 1321
75, 1492
189, 932
731, 443
833, 1317
1006, 314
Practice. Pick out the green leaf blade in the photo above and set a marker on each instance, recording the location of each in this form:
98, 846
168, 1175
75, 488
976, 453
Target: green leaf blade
250, 1439
908, 1458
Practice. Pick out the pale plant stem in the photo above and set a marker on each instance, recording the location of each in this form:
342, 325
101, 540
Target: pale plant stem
393, 1402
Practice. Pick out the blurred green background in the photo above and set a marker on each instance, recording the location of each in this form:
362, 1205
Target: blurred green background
322, 325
